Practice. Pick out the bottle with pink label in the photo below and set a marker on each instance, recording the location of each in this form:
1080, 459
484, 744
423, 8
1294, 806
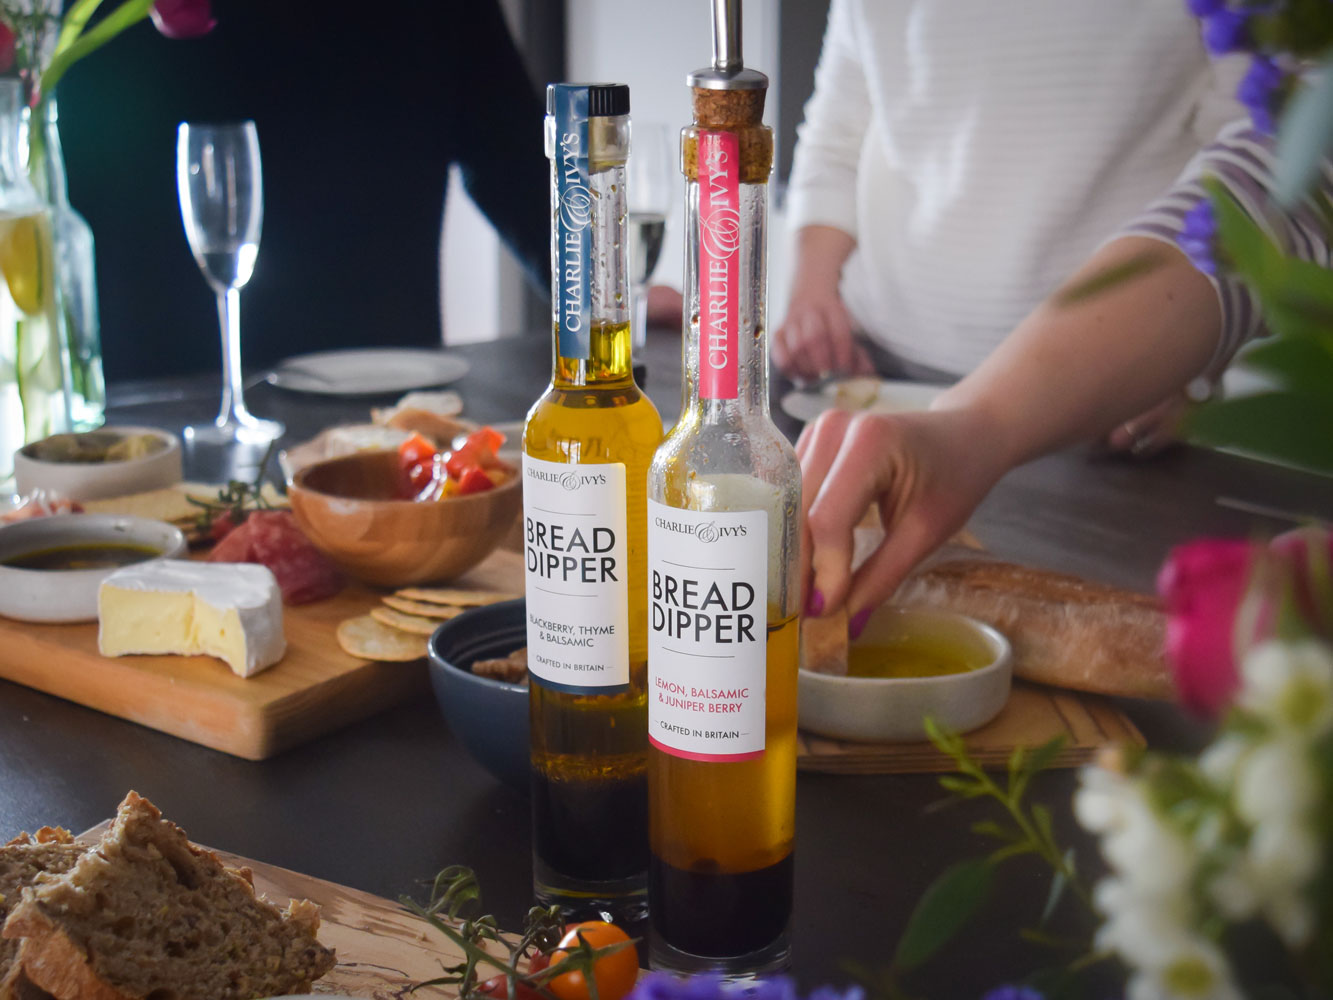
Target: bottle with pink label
724, 495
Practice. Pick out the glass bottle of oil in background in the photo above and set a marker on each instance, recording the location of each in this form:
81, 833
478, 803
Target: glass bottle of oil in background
723, 557
586, 449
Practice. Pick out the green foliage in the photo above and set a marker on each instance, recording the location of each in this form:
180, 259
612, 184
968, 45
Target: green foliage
943, 910
1304, 137
964, 888
456, 892
1294, 422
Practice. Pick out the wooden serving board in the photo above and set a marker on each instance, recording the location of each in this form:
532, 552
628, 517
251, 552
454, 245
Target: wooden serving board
315, 688
1033, 715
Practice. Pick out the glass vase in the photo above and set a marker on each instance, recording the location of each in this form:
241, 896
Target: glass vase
36, 377
75, 266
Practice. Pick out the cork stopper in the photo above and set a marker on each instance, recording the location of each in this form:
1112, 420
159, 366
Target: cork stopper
728, 96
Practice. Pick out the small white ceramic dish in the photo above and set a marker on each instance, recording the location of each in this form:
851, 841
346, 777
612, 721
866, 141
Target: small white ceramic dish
367, 371
70, 595
893, 709
894, 396
95, 480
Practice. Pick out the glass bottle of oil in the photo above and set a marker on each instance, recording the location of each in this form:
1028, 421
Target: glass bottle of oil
723, 555
586, 449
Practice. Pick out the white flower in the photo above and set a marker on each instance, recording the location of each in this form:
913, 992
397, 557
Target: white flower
1289, 684
1276, 782
1136, 841
1220, 760
1194, 970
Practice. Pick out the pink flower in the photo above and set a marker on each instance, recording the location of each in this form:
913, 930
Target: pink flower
7, 40
183, 18
1224, 595
1202, 584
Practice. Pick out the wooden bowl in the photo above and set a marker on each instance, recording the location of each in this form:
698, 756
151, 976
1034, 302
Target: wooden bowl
347, 507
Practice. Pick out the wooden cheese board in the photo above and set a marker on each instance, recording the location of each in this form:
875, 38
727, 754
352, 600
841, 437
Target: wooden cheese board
1033, 715
315, 688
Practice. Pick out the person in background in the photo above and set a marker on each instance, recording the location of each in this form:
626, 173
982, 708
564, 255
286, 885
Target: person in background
957, 163
360, 114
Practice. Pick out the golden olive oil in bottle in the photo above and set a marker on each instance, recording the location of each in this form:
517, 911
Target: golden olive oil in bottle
586, 449
723, 557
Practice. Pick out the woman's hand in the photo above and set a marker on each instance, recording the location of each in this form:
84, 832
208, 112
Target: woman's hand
926, 472
815, 339
1151, 432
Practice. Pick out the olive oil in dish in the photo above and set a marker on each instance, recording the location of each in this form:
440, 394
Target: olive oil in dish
83, 555
586, 449
914, 656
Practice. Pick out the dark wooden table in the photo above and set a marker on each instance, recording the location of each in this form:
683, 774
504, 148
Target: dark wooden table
383, 804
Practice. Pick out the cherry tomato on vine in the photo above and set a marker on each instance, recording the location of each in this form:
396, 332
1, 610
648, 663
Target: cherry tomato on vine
615, 974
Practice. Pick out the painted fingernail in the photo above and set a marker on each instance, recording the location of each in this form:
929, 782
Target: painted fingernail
858, 623
814, 604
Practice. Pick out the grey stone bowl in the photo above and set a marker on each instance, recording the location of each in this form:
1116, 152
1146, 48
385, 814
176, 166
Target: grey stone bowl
489, 717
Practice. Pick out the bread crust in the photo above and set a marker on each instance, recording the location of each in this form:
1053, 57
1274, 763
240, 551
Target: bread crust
1065, 631
51, 960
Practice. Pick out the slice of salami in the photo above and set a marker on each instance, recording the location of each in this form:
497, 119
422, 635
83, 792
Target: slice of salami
304, 573
236, 545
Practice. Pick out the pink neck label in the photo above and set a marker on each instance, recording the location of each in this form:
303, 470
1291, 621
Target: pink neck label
719, 263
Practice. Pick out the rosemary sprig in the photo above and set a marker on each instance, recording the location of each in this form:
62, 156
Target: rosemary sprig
456, 890
236, 499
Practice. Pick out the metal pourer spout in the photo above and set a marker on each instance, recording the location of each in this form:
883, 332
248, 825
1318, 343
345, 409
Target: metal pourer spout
728, 71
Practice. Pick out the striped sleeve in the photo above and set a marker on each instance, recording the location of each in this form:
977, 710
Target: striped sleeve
1242, 159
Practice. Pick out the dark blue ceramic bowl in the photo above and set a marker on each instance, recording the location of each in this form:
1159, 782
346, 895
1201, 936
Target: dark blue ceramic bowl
489, 717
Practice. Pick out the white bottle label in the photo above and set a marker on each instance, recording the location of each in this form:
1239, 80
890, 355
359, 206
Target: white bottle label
707, 632
577, 571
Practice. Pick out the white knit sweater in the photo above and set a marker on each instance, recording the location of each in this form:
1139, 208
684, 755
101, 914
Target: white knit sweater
980, 150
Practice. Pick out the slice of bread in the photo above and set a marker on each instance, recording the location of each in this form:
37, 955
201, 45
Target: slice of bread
23, 861
146, 914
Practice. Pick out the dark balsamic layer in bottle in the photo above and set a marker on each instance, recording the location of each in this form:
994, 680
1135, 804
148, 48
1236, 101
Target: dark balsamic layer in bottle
593, 830
720, 914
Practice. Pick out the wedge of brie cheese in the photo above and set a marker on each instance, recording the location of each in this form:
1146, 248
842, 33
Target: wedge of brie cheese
229, 610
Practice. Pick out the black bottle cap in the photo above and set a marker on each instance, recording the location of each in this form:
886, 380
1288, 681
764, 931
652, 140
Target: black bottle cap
605, 100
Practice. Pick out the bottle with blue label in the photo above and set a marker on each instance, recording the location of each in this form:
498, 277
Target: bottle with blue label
586, 449
723, 554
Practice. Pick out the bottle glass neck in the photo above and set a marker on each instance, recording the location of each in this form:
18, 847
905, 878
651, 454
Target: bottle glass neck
726, 277
590, 295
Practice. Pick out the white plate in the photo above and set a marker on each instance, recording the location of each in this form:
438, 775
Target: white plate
895, 396
363, 372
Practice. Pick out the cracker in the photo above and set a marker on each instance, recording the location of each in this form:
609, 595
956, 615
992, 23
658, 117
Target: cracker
415, 624
420, 608
368, 639
458, 598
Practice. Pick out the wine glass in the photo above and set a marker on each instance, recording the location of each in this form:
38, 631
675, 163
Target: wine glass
649, 183
221, 189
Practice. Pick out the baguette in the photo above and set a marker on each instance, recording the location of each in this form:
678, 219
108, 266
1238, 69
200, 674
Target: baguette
1065, 631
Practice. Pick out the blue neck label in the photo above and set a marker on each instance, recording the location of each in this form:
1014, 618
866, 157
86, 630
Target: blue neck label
573, 222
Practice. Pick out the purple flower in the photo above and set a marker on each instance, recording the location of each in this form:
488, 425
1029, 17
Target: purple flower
1260, 91
1013, 993
1203, 8
662, 987
1226, 30
1198, 237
